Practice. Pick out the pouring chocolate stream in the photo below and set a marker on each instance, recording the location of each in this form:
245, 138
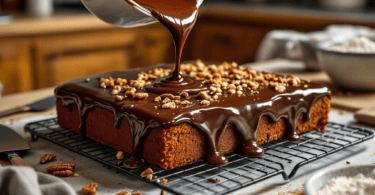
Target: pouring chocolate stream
179, 18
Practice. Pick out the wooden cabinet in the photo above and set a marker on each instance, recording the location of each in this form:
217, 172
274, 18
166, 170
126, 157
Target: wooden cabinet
51, 59
15, 66
230, 42
68, 67
153, 46
60, 58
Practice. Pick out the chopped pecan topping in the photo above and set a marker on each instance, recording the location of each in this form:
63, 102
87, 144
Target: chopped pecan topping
114, 92
184, 94
169, 105
157, 99
103, 85
231, 91
204, 95
205, 102
118, 88
228, 78
119, 98
185, 102
111, 83
166, 100
90, 188
130, 93
167, 95
140, 96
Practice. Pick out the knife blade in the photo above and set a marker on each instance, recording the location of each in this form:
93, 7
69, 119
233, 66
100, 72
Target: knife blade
40, 105
10, 143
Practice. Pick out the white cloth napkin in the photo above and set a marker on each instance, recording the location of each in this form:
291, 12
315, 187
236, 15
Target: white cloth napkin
25, 181
300, 46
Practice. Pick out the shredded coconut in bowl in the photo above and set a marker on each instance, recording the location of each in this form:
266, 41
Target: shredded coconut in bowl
357, 45
358, 185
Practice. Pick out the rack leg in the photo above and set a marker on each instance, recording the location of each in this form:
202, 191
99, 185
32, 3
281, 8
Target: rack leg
34, 137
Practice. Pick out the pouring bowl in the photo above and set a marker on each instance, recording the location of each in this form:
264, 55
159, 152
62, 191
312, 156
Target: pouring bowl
121, 13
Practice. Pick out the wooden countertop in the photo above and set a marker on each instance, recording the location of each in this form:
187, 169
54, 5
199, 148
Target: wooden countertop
20, 99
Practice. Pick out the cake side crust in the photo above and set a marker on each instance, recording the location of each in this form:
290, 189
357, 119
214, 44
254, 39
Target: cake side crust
182, 144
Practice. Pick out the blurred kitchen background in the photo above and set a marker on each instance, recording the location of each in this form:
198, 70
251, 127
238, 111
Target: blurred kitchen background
44, 43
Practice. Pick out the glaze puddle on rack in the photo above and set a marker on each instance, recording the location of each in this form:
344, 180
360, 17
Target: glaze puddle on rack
281, 157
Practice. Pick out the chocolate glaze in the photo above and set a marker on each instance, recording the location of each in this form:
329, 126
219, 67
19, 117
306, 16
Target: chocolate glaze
242, 113
179, 18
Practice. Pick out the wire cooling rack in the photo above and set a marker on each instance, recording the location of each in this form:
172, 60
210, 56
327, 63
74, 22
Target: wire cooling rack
281, 157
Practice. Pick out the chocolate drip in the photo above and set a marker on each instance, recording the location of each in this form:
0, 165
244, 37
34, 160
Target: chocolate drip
242, 113
133, 163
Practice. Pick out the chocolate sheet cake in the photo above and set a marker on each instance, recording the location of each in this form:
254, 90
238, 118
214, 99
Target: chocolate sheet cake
239, 108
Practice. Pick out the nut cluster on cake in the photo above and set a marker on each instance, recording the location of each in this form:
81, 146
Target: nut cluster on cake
226, 78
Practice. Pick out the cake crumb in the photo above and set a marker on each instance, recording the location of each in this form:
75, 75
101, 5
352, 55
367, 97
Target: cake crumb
149, 177
75, 175
87, 80
212, 180
347, 162
342, 112
120, 155
163, 192
322, 131
147, 171
163, 180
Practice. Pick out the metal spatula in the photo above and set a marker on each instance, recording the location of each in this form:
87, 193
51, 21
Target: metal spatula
10, 143
41, 105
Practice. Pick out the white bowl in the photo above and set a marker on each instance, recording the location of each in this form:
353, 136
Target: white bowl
321, 178
353, 71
